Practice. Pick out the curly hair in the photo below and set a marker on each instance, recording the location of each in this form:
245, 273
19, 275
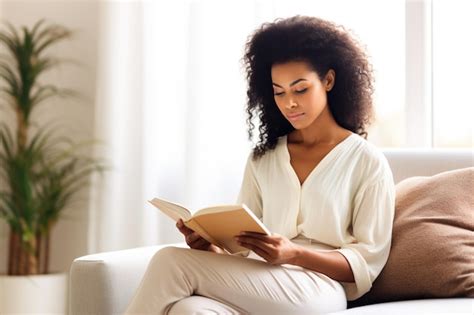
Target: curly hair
324, 46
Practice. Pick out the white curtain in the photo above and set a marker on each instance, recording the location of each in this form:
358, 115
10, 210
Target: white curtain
170, 108
116, 197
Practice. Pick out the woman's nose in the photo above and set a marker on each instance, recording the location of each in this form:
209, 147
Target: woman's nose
291, 104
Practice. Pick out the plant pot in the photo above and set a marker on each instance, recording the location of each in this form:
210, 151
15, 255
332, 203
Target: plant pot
36, 294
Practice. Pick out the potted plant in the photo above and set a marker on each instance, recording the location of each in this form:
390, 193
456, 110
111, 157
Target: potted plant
40, 172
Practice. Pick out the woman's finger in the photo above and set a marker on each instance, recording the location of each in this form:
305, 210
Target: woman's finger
252, 243
263, 237
183, 228
200, 244
257, 250
258, 241
192, 237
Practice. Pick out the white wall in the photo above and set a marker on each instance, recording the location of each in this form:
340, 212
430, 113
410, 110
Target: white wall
69, 237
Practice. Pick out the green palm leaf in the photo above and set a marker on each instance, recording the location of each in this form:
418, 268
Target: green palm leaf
43, 171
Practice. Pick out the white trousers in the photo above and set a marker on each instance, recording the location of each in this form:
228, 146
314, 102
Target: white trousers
187, 281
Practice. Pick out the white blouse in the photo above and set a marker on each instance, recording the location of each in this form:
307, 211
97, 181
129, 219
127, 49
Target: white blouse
345, 204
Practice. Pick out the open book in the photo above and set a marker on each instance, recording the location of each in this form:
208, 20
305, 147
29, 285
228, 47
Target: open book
218, 225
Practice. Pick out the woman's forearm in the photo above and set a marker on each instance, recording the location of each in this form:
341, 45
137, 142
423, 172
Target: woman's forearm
332, 264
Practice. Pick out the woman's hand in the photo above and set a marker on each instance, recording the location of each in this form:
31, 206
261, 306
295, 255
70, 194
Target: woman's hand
194, 240
275, 249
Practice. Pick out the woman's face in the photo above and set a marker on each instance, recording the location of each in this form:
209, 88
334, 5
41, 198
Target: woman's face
299, 93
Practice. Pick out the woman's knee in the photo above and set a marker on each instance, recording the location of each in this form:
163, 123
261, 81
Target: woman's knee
198, 305
167, 256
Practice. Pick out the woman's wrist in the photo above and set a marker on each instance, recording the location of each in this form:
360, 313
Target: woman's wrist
332, 263
297, 253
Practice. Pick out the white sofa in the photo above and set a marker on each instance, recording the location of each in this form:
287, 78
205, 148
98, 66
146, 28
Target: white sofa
104, 283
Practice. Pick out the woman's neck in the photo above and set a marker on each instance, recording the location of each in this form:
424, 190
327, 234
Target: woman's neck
323, 131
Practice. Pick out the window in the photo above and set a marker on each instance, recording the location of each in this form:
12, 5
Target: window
453, 67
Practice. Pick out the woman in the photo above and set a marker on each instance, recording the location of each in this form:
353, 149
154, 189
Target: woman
324, 191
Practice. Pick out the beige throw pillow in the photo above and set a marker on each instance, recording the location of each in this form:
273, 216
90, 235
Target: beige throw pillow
432, 253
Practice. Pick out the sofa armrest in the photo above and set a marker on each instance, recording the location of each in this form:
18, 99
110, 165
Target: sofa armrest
104, 283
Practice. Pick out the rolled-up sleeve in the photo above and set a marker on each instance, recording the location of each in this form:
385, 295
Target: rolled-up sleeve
250, 193
372, 222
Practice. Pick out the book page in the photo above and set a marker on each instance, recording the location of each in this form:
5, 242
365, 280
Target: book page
214, 209
173, 210
223, 226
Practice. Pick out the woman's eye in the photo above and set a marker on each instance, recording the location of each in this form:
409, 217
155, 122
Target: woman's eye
278, 94
301, 91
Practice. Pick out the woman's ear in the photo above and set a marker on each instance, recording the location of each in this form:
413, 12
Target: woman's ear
329, 80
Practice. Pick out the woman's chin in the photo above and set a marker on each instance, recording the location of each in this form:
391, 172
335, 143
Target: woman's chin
298, 125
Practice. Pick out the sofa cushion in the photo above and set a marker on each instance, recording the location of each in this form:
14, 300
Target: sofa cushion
459, 306
432, 253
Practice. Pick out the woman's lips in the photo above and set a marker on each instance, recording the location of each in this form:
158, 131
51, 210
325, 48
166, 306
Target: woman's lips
294, 117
